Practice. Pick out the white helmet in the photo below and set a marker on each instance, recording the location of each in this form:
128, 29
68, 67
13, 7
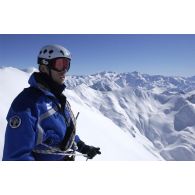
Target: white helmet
50, 52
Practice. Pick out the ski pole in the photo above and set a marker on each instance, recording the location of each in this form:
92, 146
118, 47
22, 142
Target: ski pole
77, 115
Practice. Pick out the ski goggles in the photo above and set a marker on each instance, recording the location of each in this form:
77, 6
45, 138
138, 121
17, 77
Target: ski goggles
60, 64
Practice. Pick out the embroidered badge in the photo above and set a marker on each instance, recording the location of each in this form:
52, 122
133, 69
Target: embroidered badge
15, 121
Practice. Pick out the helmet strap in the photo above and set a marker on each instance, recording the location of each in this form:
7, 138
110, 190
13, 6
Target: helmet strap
49, 69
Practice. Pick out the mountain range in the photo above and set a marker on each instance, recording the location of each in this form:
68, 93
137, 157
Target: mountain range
131, 116
161, 108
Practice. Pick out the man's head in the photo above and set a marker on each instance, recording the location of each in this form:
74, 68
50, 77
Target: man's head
54, 60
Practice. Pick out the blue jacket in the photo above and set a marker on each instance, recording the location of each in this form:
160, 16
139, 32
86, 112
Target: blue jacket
35, 124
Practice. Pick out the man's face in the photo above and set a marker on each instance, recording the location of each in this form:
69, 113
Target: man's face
58, 77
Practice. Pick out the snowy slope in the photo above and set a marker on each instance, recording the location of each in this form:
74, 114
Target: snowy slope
160, 108
93, 127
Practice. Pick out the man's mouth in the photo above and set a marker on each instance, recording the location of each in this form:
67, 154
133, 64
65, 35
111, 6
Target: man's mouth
62, 75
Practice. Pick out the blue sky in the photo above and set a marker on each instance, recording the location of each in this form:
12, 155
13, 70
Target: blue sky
151, 54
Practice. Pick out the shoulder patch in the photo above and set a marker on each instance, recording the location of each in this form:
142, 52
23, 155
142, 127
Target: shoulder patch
15, 121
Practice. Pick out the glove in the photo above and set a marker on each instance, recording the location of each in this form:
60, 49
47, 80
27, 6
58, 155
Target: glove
91, 151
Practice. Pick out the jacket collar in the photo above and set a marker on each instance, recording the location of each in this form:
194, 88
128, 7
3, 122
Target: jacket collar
44, 83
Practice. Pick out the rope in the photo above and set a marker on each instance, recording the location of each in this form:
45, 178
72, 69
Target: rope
67, 153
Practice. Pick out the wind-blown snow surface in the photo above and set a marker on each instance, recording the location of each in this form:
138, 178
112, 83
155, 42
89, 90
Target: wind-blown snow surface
93, 127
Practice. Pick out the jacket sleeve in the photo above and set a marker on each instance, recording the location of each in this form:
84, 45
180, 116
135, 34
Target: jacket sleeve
19, 136
77, 139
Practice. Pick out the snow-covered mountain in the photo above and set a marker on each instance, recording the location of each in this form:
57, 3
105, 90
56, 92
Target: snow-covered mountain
109, 81
158, 107
131, 116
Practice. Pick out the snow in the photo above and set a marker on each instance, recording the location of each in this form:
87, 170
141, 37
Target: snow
115, 144
30, 70
135, 79
157, 107
130, 116
93, 127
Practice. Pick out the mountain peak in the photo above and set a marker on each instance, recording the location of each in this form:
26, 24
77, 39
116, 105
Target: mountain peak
108, 81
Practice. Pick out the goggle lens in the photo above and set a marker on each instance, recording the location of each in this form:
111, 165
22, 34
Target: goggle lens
60, 64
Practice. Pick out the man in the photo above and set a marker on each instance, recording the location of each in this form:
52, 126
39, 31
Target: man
41, 125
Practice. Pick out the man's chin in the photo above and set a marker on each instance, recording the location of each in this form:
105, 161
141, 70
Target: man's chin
61, 80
